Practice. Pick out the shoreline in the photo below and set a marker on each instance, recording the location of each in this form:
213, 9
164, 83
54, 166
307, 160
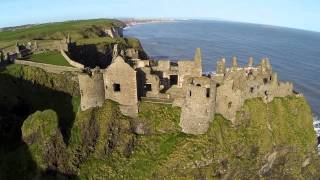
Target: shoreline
135, 22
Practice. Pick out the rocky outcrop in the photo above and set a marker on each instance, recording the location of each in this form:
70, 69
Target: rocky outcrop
102, 131
261, 146
43, 136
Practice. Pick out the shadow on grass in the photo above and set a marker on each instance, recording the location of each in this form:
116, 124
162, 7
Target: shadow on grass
18, 99
90, 56
22, 98
19, 164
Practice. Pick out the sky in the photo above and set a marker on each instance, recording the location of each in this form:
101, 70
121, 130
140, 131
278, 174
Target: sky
300, 14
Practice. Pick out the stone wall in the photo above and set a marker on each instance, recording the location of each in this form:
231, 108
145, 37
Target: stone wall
70, 61
200, 97
190, 68
48, 67
237, 85
120, 82
199, 106
91, 89
228, 100
148, 83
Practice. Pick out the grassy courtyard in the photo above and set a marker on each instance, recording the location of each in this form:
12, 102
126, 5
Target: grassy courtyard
52, 57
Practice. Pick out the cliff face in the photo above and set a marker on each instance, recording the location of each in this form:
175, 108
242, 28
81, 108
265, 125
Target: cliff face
272, 141
100, 51
67, 82
276, 140
92, 40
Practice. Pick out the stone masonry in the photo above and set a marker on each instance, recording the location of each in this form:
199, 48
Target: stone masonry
120, 81
91, 89
184, 85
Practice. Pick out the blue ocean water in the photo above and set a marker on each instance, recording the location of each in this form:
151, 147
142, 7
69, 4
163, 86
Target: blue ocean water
294, 54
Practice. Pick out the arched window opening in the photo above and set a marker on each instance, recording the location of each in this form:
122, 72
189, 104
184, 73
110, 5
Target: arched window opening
251, 90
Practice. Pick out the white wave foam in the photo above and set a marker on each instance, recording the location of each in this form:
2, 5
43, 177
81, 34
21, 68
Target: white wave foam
316, 125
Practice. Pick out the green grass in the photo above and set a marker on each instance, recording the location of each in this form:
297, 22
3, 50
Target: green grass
52, 57
49, 110
55, 30
226, 150
82, 29
159, 118
100, 40
59, 82
133, 42
174, 155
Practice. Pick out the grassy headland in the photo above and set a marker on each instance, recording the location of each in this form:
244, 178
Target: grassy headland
274, 140
44, 135
81, 29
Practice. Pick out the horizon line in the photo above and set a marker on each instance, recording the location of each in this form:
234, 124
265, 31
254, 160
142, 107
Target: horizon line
164, 18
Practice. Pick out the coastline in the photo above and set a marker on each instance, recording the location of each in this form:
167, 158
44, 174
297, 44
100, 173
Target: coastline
134, 22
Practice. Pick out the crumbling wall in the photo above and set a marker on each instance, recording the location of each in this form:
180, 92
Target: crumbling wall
199, 97
48, 67
148, 83
120, 82
70, 61
162, 65
190, 68
91, 90
199, 106
228, 100
240, 84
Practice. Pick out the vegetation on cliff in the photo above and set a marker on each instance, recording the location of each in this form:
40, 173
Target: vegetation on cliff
43, 135
56, 31
157, 118
273, 140
25, 89
93, 48
67, 82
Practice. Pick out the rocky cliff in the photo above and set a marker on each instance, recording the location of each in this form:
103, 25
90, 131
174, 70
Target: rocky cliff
92, 44
101, 51
271, 141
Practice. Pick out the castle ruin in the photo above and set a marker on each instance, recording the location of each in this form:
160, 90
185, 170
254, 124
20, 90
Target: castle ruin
183, 84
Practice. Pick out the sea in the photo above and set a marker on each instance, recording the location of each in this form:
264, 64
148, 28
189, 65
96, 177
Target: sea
294, 54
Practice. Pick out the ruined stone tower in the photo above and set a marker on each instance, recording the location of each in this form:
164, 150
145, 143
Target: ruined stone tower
198, 60
190, 68
199, 107
91, 89
199, 96
120, 81
221, 66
